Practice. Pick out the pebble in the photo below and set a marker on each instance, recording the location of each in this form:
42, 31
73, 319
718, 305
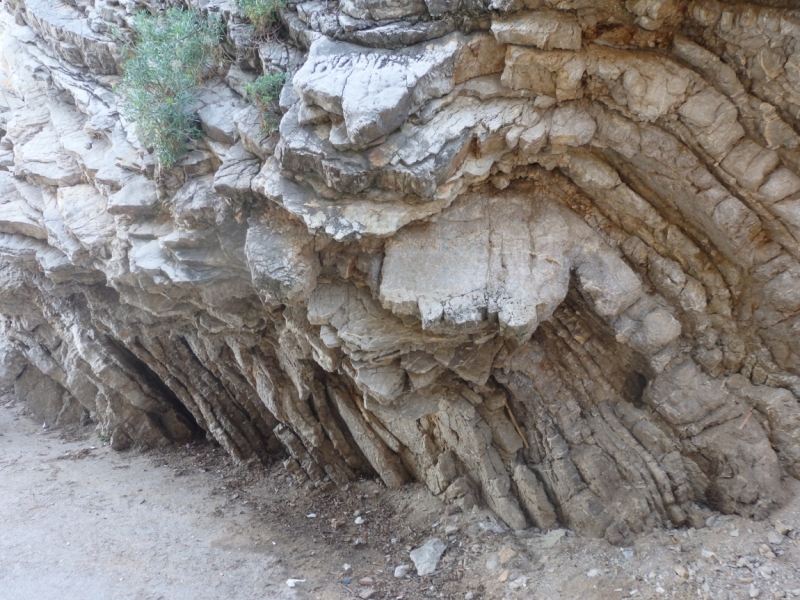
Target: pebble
505, 555
754, 591
782, 528
359, 520
734, 533
503, 576
450, 529
367, 593
519, 583
346, 567
311, 516
775, 538
628, 554
681, 572
492, 562
401, 571
593, 573
293, 582
366, 581
469, 596
659, 590
766, 551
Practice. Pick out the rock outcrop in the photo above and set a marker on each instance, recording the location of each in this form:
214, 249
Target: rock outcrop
539, 255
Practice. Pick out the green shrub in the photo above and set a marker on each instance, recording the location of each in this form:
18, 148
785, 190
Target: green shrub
264, 92
171, 55
263, 14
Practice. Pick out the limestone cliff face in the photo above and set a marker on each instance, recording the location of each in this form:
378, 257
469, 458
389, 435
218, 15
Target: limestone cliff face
541, 254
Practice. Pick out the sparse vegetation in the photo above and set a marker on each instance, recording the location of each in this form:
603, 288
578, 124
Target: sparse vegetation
264, 92
171, 55
263, 14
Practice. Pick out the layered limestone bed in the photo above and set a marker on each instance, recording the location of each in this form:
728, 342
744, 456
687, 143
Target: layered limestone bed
537, 254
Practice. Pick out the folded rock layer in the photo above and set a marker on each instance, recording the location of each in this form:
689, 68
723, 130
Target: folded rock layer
538, 255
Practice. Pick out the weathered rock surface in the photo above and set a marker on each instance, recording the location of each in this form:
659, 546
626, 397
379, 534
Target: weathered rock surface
537, 257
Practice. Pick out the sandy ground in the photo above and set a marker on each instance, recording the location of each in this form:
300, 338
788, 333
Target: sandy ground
79, 521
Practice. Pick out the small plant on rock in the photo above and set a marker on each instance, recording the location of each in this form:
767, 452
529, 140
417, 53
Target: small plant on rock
264, 92
263, 14
171, 55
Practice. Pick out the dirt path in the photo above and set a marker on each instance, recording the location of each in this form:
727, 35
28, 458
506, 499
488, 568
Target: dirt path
78, 522
81, 522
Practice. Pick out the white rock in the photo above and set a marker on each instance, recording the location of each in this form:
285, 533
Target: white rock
538, 243
374, 90
378, 9
137, 197
427, 556
571, 126
401, 571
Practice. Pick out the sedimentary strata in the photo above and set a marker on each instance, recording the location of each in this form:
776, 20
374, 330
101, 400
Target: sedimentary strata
540, 255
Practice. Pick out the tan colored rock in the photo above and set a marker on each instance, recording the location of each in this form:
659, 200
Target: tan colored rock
545, 29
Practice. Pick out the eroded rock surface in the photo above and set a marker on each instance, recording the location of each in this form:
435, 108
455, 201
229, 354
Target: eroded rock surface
541, 256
